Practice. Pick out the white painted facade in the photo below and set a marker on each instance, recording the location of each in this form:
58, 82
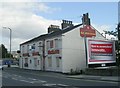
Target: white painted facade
73, 50
34, 61
54, 59
66, 54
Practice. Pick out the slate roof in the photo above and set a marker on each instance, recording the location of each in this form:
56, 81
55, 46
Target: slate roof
56, 33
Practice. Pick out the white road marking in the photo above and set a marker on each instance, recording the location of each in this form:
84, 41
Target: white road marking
16, 75
39, 81
49, 84
25, 81
43, 81
14, 79
32, 79
62, 85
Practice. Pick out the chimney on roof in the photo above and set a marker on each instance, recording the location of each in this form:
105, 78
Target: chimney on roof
53, 28
66, 23
86, 19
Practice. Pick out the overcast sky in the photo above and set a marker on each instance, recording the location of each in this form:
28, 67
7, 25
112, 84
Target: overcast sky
30, 19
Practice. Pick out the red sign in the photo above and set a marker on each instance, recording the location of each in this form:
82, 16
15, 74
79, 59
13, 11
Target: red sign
53, 51
87, 31
35, 53
25, 54
100, 51
101, 48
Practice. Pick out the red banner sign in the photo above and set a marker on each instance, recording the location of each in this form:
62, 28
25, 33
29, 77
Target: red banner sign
53, 51
87, 31
35, 53
102, 48
25, 54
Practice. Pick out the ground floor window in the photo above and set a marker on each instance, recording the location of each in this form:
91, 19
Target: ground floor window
49, 61
38, 62
26, 62
58, 61
35, 62
30, 61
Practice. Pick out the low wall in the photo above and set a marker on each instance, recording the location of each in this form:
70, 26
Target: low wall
113, 71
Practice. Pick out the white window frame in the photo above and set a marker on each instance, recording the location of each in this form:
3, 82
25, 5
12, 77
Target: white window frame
50, 61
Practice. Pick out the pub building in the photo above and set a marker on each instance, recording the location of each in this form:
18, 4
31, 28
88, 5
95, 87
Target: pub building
61, 50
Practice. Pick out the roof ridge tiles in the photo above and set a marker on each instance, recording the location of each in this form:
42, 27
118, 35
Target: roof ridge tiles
56, 33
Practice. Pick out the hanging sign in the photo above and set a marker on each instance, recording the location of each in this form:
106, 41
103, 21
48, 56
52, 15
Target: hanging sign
53, 51
87, 31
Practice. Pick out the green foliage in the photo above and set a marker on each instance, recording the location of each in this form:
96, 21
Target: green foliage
114, 33
117, 46
3, 52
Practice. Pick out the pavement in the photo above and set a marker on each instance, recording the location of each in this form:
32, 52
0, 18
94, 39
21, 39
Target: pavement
11, 65
101, 78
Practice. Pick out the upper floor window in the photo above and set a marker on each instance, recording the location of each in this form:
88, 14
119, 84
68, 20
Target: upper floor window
33, 47
28, 48
51, 44
47, 44
23, 49
40, 47
56, 43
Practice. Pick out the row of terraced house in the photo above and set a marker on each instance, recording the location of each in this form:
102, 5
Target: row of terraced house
60, 50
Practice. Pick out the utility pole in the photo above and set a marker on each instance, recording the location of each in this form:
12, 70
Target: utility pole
85, 22
43, 55
10, 38
118, 29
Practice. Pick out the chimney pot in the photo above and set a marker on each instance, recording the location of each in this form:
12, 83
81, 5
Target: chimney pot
66, 23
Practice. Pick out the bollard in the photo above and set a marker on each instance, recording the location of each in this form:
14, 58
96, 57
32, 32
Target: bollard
8, 65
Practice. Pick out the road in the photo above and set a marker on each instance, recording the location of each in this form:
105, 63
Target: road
21, 77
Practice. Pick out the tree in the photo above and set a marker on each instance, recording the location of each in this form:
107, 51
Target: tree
117, 45
116, 33
3, 52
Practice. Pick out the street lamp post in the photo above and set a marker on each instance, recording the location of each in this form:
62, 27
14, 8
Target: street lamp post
10, 38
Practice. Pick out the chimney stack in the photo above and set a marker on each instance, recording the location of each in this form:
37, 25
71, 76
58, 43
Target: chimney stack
86, 19
66, 23
53, 28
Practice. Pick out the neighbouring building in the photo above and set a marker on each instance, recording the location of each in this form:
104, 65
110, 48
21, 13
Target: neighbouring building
15, 54
60, 50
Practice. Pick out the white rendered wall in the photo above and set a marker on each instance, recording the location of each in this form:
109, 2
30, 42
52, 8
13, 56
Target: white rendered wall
73, 50
53, 56
72, 53
31, 65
